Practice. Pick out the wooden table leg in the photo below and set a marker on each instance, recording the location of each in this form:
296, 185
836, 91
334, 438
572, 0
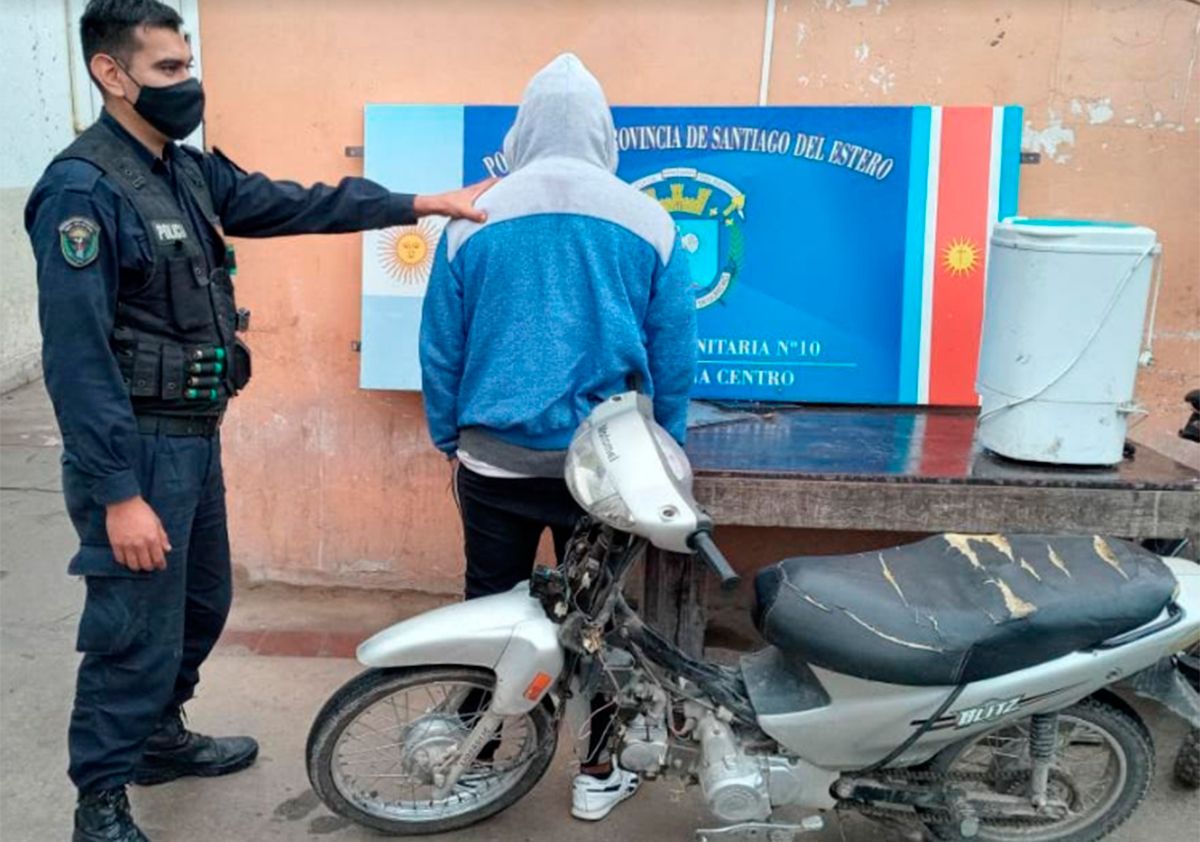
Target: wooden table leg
1192, 550
675, 598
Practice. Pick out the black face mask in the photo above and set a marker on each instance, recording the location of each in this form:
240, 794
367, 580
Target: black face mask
175, 110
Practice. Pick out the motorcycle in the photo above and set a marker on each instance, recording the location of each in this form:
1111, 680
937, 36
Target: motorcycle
960, 687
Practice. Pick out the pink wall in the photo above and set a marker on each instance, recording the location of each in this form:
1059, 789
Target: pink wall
330, 484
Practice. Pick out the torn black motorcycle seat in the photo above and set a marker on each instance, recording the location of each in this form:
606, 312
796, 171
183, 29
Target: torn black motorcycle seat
953, 608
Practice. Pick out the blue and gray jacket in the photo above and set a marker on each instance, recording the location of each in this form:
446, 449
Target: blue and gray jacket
575, 283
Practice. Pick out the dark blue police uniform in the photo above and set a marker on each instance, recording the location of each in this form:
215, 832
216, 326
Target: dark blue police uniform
140, 358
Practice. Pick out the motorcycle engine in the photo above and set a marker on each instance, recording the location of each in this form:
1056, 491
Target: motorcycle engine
644, 744
733, 783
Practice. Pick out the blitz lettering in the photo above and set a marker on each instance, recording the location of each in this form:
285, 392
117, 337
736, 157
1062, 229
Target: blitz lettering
989, 712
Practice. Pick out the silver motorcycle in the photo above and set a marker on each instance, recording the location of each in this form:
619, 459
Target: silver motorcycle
960, 687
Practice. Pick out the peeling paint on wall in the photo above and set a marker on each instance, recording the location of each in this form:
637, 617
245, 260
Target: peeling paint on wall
1098, 110
1048, 140
862, 52
838, 5
1156, 122
882, 78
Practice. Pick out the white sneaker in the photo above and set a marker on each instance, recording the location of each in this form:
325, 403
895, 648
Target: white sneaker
594, 798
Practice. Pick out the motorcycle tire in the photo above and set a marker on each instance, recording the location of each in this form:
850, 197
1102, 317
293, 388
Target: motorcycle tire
357, 697
1119, 724
1187, 762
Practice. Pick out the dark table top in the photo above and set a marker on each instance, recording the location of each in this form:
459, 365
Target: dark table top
896, 444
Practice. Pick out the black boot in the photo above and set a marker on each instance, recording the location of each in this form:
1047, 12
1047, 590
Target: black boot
175, 752
103, 816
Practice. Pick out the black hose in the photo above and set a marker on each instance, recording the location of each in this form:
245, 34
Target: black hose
917, 734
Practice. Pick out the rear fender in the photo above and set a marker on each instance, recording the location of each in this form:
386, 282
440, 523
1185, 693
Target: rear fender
1165, 683
507, 633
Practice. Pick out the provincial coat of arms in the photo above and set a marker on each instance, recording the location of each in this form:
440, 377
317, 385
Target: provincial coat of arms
709, 213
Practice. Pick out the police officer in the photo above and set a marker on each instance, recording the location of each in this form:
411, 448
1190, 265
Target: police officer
141, 356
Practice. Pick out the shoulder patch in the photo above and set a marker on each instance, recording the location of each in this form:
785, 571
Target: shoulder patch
79, 239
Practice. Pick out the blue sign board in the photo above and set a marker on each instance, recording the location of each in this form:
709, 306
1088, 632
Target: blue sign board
811, 233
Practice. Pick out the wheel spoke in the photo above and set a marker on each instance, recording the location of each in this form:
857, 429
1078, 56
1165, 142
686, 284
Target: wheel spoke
386, 756
1089, 774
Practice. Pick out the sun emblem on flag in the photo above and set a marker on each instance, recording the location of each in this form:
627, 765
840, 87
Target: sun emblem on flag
406, 251
961, 256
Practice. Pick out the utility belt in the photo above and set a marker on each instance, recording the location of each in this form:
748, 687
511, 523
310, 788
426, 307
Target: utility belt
179, 425
169, 371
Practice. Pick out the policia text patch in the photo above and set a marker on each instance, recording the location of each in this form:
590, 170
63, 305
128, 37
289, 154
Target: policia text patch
169, 232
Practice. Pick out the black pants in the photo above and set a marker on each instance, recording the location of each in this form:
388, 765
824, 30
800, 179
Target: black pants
144, 635
503, 521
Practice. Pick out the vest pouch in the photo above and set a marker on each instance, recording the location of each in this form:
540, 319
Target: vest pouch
172, 372
144, 379
239, 365
187, 285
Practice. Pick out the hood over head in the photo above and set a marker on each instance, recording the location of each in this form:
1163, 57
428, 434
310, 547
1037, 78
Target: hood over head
563, 113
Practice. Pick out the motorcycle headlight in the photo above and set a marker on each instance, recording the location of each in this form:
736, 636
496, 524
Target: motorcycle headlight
628, 473
591, 483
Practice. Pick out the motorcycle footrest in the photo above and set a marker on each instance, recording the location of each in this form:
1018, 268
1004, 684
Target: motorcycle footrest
760, 831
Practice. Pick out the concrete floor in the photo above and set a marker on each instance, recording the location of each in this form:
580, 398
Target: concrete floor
275, 699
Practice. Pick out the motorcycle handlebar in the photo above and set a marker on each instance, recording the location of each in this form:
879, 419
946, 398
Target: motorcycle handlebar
705, 547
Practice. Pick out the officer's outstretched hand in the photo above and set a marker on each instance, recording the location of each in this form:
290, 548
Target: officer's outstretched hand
457, 204
138, 539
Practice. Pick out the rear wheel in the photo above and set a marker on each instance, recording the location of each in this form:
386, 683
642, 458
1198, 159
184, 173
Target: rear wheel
1104, 762
1187, 762
374, 747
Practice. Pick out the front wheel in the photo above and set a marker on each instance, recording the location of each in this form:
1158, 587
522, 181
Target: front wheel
374, 747
1104, 761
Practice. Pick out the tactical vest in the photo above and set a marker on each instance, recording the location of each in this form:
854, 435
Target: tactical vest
174, 336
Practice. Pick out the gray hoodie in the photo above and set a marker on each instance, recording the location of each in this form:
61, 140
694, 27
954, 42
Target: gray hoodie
563, 113
572, 285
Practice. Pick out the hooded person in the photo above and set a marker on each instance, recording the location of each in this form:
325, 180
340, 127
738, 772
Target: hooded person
574, 285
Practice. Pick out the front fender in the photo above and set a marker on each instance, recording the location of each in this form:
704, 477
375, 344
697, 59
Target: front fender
507, 633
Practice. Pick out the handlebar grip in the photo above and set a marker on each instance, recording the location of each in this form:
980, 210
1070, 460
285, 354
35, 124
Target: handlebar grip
705, 547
